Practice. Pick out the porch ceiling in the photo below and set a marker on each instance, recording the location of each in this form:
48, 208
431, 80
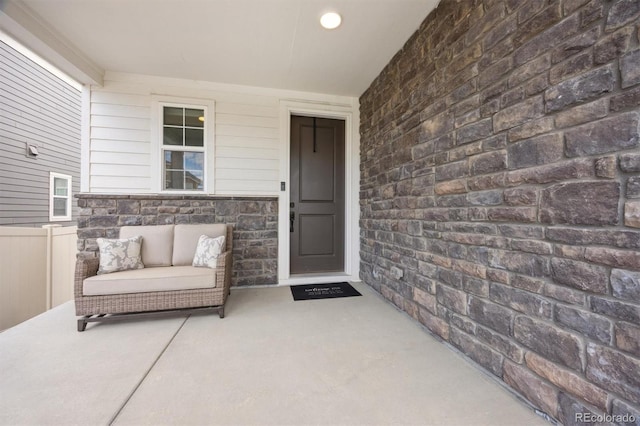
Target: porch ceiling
266, 43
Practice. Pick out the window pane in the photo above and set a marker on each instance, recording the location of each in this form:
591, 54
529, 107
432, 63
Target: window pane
172, 136
194, 170
173, 116
183, 127
193, 180
173, 160
59, 206
60, 187
194, 161
194, 117
194, 137
174, 180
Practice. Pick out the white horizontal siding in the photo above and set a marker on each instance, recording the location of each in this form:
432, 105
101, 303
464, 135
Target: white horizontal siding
245, 110
129, 123
247, 131
247, 147
99, 111
101, 145
115, 158
120, 137
262, 175
246, 164
246, 186
120, 170
223, 152
118, 134
104, 96
120, 184
246, 120
246, 141
239, 141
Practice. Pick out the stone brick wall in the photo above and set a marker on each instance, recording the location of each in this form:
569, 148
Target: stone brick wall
500, 193
254, 220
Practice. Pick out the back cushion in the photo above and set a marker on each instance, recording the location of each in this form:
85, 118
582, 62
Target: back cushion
157, 243
185, 240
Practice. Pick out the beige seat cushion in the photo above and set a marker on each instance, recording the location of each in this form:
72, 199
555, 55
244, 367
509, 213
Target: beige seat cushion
185, 240
150, 279
157, 243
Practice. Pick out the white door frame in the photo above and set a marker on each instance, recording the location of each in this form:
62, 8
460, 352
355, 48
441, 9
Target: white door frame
350, 114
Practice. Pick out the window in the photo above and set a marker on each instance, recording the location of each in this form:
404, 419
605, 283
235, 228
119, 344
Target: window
59, 197
183, 147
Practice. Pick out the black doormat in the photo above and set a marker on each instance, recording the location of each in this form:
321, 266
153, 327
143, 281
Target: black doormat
323, 291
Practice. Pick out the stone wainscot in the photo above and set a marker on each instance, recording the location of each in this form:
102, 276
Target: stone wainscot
254, 220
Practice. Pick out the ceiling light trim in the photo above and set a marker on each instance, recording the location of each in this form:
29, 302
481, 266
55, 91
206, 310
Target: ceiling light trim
331, 20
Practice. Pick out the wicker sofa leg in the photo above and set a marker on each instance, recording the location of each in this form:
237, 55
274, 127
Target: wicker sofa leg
82, 323
221, 311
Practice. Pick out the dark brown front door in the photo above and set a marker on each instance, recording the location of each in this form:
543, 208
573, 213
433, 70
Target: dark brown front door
317, 195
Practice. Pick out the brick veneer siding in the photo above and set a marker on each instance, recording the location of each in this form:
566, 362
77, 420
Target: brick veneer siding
254, 220
500, 194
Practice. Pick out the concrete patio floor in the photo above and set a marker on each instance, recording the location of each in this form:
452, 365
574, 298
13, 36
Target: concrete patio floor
351, 361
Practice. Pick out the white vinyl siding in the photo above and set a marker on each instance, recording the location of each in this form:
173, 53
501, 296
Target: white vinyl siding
246, 146
39, 109
120, 135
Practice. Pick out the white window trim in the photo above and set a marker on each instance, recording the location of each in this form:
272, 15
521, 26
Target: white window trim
69, 179
157, 180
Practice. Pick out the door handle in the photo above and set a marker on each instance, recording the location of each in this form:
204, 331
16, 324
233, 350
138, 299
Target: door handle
292, 218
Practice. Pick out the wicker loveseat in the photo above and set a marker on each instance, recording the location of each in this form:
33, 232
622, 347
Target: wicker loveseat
167, 285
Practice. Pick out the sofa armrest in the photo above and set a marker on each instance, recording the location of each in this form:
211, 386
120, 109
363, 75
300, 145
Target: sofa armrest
85, 268
223, 271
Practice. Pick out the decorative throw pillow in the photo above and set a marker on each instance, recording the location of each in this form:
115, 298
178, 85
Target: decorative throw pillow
120, 254
208, 250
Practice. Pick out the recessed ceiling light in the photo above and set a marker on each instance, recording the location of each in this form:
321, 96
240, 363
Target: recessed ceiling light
330, 20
